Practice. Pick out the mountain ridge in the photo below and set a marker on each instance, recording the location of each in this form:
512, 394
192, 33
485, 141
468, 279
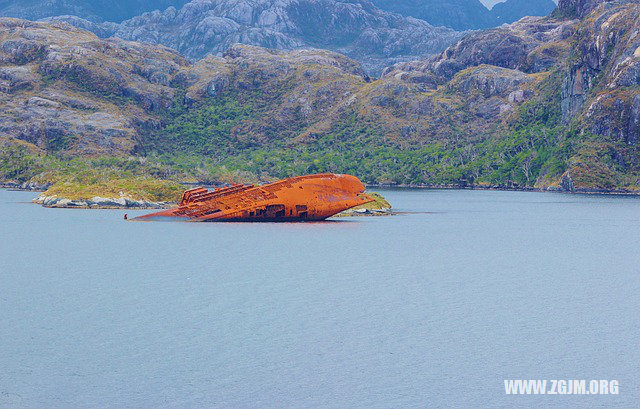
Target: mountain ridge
548, 102
467, 14
95, 11
457, 14
357, 29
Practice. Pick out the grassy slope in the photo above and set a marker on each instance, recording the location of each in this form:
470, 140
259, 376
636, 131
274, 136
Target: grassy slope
78, 178
357, 144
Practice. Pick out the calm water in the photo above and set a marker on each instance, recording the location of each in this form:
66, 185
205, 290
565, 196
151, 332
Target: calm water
430, 309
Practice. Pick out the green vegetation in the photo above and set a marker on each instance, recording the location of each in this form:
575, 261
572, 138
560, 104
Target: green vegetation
533, 148
379, 203
218, 139
204, 144
79, 178
247, 136
17, 164
152, 190
213, 142
205, 130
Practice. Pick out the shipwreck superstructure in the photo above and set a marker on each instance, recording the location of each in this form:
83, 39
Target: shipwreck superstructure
303, 198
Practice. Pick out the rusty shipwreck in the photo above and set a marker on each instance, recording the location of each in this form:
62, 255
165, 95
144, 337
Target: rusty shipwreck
303, 198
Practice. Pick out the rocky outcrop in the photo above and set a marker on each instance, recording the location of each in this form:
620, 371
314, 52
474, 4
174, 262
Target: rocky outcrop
62, 88
578, 8
599, 58
379, 207
102, 30
533, 44
365, 212
99, 203
491, 81
602, 85
357, 29
634, 122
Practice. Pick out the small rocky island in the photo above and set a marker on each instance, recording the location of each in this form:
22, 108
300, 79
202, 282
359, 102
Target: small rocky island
97, 202
112, 193
380, 207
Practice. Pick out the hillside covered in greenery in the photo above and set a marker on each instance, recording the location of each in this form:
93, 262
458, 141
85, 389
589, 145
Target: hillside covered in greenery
542, 103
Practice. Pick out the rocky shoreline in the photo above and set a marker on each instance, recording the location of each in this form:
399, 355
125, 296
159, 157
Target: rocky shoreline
99, 203
365, 212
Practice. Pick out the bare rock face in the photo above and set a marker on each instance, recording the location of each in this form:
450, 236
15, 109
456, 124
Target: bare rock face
102, 30
13, 79
250, 68
305, 87
491, 81
603, 80
599, 57
62, 88
355, 28
99, 203
533, 44
578, 8
634, 121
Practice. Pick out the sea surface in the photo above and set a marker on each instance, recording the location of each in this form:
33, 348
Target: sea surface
435, 307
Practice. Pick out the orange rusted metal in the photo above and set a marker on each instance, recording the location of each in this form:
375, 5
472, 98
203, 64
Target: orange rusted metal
303, 198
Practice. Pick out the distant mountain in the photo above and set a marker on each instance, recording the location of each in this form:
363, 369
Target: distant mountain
377, 34
96, 11
514, 10
467, 14
457, 14
357, 29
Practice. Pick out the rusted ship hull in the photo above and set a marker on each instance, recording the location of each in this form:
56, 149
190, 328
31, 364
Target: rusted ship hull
303, 198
